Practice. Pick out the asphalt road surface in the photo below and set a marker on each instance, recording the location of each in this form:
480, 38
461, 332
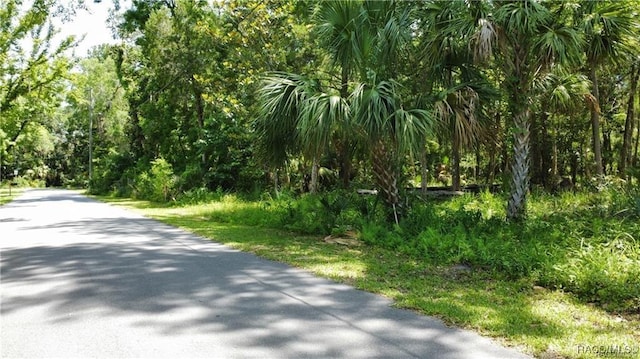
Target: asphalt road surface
83, 279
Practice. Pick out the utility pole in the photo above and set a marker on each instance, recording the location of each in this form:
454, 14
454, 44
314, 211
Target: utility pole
90, 137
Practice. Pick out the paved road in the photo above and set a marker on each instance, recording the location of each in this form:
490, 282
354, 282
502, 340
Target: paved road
85, 279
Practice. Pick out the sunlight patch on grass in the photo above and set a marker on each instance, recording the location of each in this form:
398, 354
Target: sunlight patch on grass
583, 325
6, 198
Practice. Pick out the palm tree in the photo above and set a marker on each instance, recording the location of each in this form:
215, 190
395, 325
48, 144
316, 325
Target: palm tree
444, 52
455, 114
625, 151
387, 130
527, 39
374, 113
609, 27
296, 116
560, 92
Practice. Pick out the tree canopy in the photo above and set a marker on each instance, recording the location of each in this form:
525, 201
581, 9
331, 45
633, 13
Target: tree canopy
389, 95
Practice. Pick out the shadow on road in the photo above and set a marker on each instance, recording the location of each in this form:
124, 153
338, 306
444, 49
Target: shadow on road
175, 283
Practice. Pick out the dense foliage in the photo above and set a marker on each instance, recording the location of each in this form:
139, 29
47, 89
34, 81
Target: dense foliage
266, 97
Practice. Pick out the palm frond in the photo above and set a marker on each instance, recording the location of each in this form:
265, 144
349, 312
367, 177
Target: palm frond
562, 90
483, 40
561, 45
457, 113
521, 18
610, 28
411, 128
281, 97
340, 25
321, 116
372, 107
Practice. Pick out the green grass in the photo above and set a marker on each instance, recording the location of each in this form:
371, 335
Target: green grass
516, 311
4, 194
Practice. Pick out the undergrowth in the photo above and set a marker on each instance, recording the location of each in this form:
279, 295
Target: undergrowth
584, 243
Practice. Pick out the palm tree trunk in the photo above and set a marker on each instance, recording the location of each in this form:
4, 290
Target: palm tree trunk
386, 177
546, 151
554, 158
537, 177
276, 185
495, 147
424, 170
344, 148
476, 170
625, 152
634, 161
313, 187
343, 151
455, 156
595, 122
517, 204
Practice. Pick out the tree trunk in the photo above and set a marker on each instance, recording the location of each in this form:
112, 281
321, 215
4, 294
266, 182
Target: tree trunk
197, 94
607, 151
625, 152
476, 171
517, 204
386, 177
634, 162
546, 151
455, 161
276, 185
344, 148
537, 171
595, 123
493, 165
424, 171
313, 187
554, 159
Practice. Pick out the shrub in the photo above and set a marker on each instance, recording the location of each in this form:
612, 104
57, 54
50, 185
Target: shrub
197, 196
157, 184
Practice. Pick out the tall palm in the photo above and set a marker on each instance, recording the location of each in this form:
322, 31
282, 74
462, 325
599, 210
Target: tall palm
374, 113
609, 26
387, 130
560, 92
625, 151
363, 39
296, 116
450, 73
526, 38
456, 114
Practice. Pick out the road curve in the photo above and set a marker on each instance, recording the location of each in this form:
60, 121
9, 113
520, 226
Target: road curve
83, 279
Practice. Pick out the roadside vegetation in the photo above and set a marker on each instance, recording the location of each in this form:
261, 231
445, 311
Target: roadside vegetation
566, 278
7, 195
497, 144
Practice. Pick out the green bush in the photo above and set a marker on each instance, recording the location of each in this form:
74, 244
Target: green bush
25, 182
158, 184
327, 213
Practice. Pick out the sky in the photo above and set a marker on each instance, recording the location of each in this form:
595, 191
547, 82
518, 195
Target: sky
92, 23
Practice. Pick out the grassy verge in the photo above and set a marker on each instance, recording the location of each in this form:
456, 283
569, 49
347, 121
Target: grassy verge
519, 313
5, 197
